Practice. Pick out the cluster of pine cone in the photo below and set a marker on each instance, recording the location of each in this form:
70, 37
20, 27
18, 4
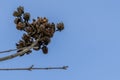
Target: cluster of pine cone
39, 28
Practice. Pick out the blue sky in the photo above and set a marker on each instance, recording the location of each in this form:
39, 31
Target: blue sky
89, 45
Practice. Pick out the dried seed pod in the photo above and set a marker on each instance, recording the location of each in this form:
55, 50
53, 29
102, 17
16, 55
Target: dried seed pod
48, 33
21, 44
28, 43
46, 40
35, 36
25, 37
26, 16
29, 30
20, 9
20, 26
45, 20
47, 25
41, 28
16, 14
40, 43
45, 49
60, 26
17, 20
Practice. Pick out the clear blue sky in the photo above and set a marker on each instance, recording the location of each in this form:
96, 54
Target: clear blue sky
89, 45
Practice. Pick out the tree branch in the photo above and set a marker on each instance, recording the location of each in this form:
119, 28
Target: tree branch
10, 50
32, 68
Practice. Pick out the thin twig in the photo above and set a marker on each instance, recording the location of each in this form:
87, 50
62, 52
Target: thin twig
31, 68
10, 50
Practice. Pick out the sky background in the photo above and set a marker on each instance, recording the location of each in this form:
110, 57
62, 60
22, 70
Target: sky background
89, 44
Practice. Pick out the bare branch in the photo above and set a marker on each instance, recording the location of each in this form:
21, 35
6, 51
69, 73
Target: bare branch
32, 68
10, 50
